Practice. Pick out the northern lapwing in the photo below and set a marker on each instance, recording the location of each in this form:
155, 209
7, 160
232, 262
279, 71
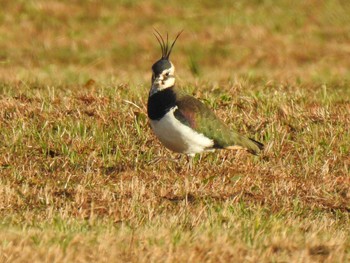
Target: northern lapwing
183, 123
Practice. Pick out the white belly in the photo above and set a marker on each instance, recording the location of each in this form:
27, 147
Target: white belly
179, 137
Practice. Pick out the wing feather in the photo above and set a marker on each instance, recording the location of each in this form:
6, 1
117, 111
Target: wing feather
195, 114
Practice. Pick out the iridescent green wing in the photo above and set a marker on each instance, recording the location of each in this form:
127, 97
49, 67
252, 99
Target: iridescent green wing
200, 118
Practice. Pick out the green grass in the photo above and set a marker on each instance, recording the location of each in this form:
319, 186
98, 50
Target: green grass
83, 178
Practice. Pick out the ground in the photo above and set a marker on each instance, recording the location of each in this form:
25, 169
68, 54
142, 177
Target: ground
83, 178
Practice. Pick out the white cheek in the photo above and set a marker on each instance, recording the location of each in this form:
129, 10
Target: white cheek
166, 83
170, 82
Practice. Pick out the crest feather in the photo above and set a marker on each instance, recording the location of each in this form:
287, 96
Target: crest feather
164, 46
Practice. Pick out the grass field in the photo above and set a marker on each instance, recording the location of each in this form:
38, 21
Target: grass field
83, 178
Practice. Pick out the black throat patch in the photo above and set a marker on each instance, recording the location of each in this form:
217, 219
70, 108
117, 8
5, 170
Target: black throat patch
160, 103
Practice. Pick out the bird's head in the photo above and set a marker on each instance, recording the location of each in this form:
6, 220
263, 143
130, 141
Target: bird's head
163, 71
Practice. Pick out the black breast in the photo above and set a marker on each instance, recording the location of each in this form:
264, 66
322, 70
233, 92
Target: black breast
160, 103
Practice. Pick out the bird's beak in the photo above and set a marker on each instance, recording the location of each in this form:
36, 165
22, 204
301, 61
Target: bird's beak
153, 90
156, 85
158, 80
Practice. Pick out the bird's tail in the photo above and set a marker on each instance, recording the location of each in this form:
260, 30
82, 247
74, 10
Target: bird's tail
257, 148
251, 145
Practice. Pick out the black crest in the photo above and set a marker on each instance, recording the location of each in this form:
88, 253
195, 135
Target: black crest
166, 51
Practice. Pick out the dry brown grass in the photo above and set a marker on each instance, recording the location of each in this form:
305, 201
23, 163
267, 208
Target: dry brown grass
83, 179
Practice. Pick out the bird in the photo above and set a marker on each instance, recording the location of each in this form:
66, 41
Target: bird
181, 122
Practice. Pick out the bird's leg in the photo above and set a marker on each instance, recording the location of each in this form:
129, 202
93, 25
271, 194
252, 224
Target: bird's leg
177, 160
186, 186
190, 160
161, 158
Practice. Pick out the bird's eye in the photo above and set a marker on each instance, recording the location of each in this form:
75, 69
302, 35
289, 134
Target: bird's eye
167, 74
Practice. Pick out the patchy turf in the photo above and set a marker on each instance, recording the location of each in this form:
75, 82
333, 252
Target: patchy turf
84, 179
